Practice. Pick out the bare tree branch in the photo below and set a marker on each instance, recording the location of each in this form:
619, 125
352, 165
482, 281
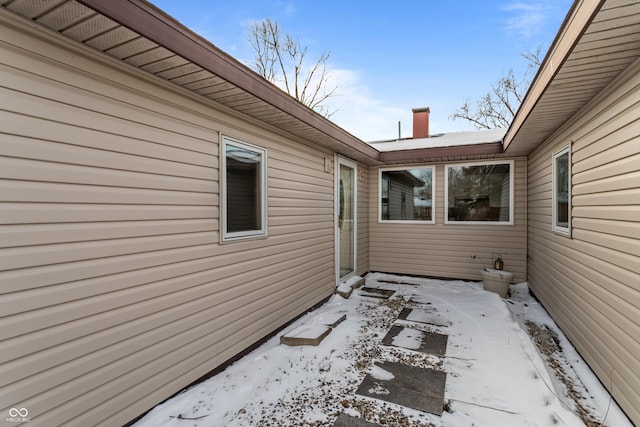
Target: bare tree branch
280, 59
498, 107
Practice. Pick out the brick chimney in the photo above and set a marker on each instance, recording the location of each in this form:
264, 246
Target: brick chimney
420, 122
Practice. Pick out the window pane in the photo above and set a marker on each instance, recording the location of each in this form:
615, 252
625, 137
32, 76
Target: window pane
562, 190
243, 181
406, 195
479, 193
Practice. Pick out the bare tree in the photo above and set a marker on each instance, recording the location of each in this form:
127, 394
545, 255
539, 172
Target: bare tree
280, 59
498, 107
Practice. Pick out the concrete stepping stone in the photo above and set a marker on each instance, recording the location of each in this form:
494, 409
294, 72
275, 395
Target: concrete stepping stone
345, 420
377, 292
418, 315
306, 335
345, 289
413, 339
315, 330
417, 388
330, 319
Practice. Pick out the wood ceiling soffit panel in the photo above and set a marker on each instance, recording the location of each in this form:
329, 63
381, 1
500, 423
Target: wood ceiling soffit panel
66, 16
239, 100
302, 131
298, 126
577, 81
604, 26
178, 71
131, 48
250, 108
210, 81
90, 28
619, 57
32, 9
261, 108
566, 84
557, 102
555, 112
611, 4
604, 40
165, 64
191, 78
155, 54
615, 33
604, 57
227, 95
622, 9
111, 38
222, 89
276, 116
590, 75
269, 112
603, 54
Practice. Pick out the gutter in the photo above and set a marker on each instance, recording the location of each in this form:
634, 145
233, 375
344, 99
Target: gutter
147, 20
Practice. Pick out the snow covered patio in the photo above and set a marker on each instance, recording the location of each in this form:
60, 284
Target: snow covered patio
495, 376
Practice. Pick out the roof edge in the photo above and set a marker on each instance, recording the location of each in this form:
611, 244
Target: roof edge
572, 29
149, 21
421, 154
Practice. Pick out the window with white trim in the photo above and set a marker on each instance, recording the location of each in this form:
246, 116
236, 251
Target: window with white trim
244, 192
406, 194
479, 193
561, 197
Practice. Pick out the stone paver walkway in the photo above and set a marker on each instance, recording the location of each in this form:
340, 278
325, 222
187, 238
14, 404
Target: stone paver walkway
410, 386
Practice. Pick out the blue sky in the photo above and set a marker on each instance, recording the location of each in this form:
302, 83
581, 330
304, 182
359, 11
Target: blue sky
388, 57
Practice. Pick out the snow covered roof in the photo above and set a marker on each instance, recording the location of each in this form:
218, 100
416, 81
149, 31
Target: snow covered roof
442, 140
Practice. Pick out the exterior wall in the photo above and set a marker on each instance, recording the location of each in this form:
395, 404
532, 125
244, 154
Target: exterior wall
116, 292
362, 261
448, 250
590, 282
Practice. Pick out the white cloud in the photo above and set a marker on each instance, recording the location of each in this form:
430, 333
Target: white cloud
527, 18
358, 110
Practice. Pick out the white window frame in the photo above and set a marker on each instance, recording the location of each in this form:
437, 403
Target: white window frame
433, 195
482, 163
239, 235
566, 231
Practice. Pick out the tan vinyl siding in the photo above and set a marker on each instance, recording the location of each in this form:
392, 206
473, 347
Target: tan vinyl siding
448, 250
115, 289
590, 282
364, 177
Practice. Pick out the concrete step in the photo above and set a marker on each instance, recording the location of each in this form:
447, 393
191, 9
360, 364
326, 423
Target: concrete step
306, 335
345, 289
315, 330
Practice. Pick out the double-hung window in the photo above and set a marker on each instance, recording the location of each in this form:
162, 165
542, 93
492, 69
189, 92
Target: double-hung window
244, 198
480, 193
407, 194
561, 197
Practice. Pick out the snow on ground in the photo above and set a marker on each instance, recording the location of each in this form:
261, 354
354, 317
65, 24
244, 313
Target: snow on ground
495, 374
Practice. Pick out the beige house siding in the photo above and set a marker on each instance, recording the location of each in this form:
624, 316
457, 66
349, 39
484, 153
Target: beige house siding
590, 283
364, 177
448, 250
116, 292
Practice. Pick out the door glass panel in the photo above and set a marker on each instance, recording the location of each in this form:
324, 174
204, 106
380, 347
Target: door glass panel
346, 220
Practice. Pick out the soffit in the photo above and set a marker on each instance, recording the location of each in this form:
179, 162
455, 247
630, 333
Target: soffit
609, 43
195, 67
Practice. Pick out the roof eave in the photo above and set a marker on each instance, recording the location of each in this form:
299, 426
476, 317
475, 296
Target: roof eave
423, 154
573, 27
152, 23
